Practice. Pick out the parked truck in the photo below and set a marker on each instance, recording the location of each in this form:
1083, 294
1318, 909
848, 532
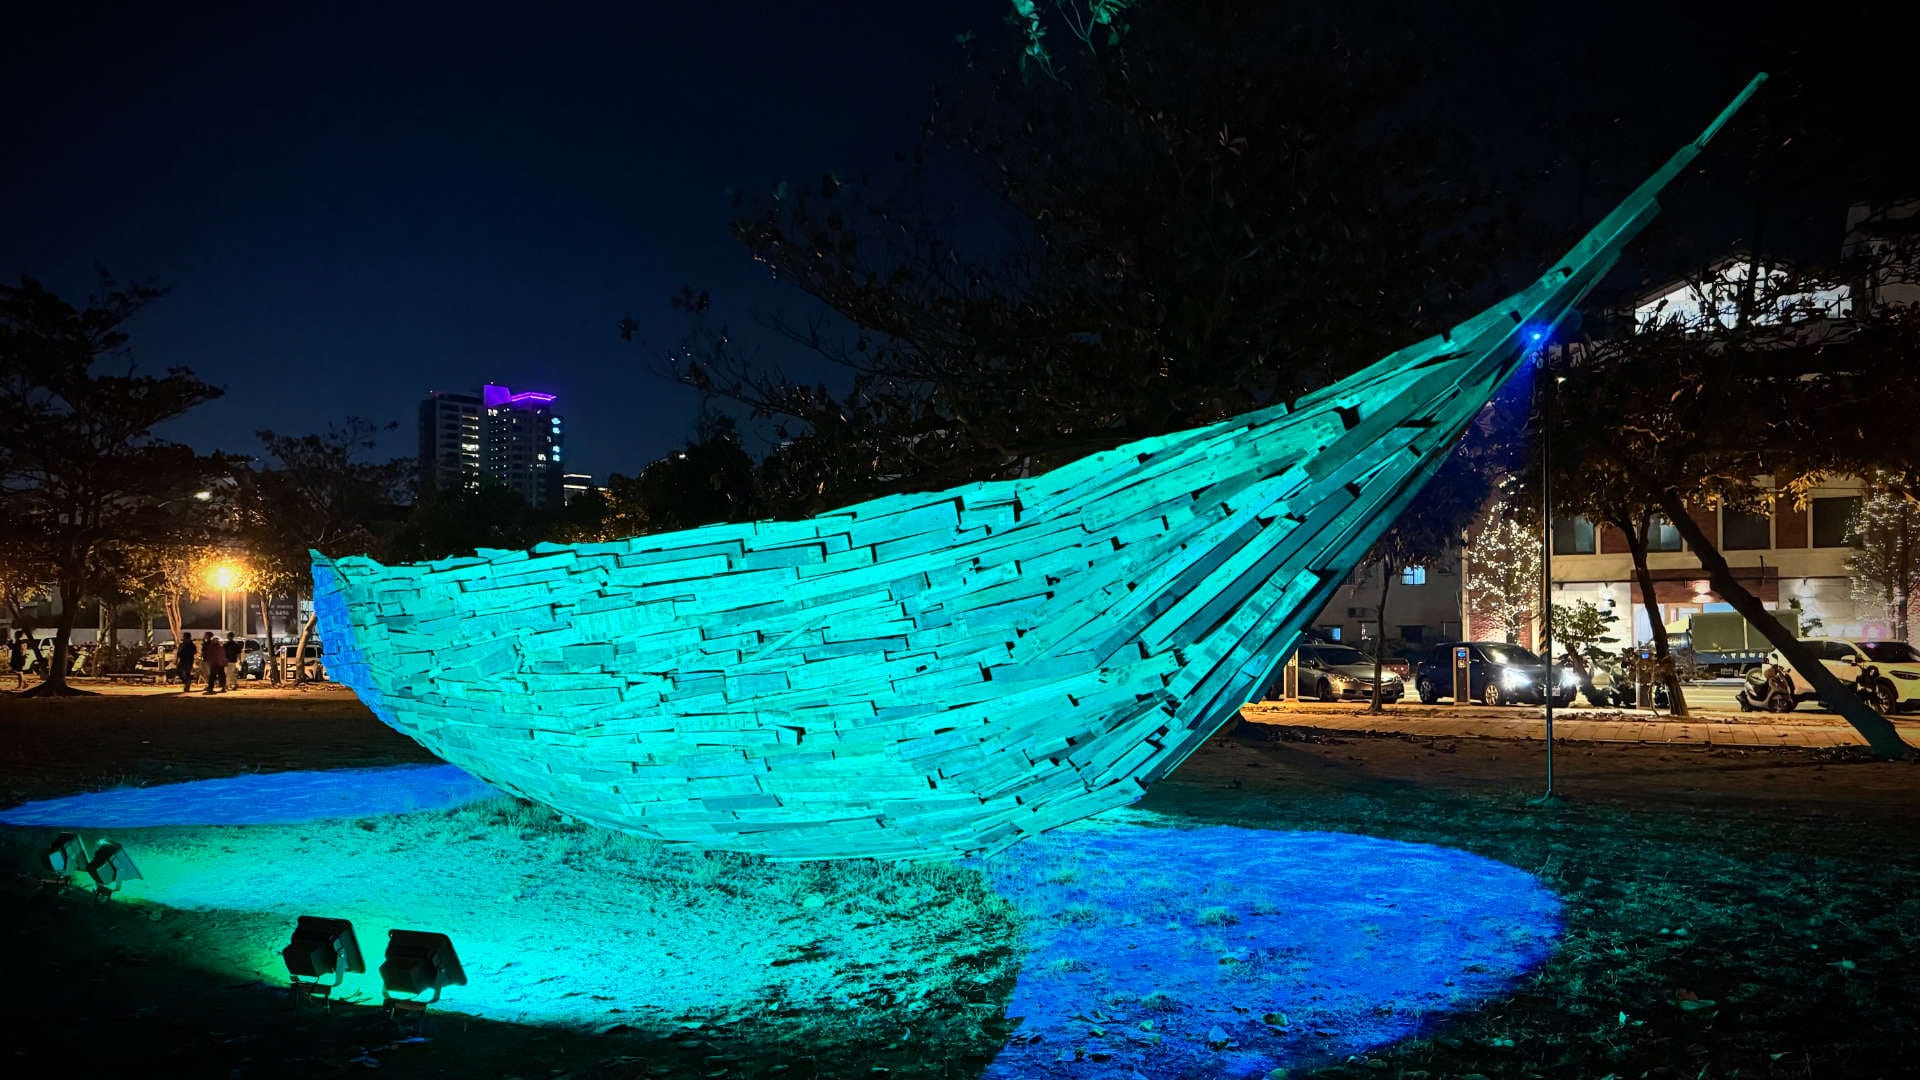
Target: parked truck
1725, 643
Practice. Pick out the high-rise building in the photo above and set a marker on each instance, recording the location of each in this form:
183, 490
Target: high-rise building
524, 441
498, 437
452, 436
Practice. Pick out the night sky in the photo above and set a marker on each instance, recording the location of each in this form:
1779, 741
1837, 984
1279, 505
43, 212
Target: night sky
355, 206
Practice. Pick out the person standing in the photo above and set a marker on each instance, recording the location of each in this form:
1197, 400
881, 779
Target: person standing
183, 656
17, 659
216, 654
236, 651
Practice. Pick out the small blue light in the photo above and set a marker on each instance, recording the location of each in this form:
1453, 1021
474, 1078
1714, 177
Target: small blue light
1537, 335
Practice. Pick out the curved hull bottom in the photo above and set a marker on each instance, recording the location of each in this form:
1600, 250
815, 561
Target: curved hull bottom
721, 806
935, 785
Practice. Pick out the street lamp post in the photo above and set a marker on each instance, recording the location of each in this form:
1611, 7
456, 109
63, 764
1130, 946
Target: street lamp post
1547, 387
225, 576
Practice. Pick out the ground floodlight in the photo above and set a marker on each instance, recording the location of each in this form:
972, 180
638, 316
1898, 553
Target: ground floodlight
323, 953
67, 854
419, 963
111, 869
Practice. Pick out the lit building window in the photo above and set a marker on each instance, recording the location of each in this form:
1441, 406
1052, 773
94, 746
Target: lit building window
1413, 575
1573, 536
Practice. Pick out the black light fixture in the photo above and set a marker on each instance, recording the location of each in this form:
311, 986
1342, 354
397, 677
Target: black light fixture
419, 963
111, 868
66, 855
322, 954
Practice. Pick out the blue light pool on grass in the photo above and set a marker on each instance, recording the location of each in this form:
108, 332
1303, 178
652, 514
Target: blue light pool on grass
1143, 936
283, 798
1358, 942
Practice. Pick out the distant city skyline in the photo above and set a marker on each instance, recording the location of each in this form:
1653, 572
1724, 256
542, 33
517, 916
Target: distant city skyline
388, 200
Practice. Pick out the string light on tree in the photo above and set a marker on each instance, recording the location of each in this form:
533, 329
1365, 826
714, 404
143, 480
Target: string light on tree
1885, 564
1503, 580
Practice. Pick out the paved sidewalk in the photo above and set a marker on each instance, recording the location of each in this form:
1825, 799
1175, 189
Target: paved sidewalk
1594, 725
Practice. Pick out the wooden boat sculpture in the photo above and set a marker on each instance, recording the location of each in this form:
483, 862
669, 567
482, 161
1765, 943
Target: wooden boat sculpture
935, 674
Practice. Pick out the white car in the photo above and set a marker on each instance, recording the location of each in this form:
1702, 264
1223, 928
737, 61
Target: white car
1896, 664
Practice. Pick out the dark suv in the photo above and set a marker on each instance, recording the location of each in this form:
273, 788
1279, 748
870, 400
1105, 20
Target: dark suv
1497, 674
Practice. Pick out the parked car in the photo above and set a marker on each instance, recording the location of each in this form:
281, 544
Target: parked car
311, 659
1344, 673
253, 661
247, 649
1888, 671
41, 662
1497, 674
159, 658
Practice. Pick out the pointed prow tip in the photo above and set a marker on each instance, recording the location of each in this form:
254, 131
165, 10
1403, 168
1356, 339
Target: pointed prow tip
1734, 106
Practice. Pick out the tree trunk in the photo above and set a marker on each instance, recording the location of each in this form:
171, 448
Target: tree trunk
272, 669
300, 649
56, 680
1380, 642
1881, 736
104, 643
174, 617
1635, 527
1466, 609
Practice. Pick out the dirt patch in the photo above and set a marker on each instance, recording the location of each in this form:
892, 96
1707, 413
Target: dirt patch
143, 735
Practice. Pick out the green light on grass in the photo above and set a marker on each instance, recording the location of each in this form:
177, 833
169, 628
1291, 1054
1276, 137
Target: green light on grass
1122, 915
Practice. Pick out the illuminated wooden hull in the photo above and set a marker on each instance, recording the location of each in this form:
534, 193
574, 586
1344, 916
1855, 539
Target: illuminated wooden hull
934, 674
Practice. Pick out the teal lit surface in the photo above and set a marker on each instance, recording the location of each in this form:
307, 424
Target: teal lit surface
932, 674
1140, 938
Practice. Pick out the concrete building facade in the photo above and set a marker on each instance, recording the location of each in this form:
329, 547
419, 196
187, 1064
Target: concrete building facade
1423, 607
1789, 556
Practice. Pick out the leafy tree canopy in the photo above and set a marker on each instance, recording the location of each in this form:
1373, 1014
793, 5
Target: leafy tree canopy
1215, 210
82, 476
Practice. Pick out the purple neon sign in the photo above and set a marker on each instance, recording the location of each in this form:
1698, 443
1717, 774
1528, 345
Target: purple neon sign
495, 396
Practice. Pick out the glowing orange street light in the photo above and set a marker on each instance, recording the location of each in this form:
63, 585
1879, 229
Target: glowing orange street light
225, 576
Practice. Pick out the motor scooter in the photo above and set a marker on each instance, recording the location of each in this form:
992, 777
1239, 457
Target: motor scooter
1600, 682
1769, 688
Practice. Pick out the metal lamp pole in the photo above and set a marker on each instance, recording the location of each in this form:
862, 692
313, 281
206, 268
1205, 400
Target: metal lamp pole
1546, 554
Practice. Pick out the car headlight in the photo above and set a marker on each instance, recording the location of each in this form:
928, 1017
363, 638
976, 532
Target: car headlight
1569, 677
1513, 678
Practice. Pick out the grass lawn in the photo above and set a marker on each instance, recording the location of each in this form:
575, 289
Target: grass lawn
1721, 913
